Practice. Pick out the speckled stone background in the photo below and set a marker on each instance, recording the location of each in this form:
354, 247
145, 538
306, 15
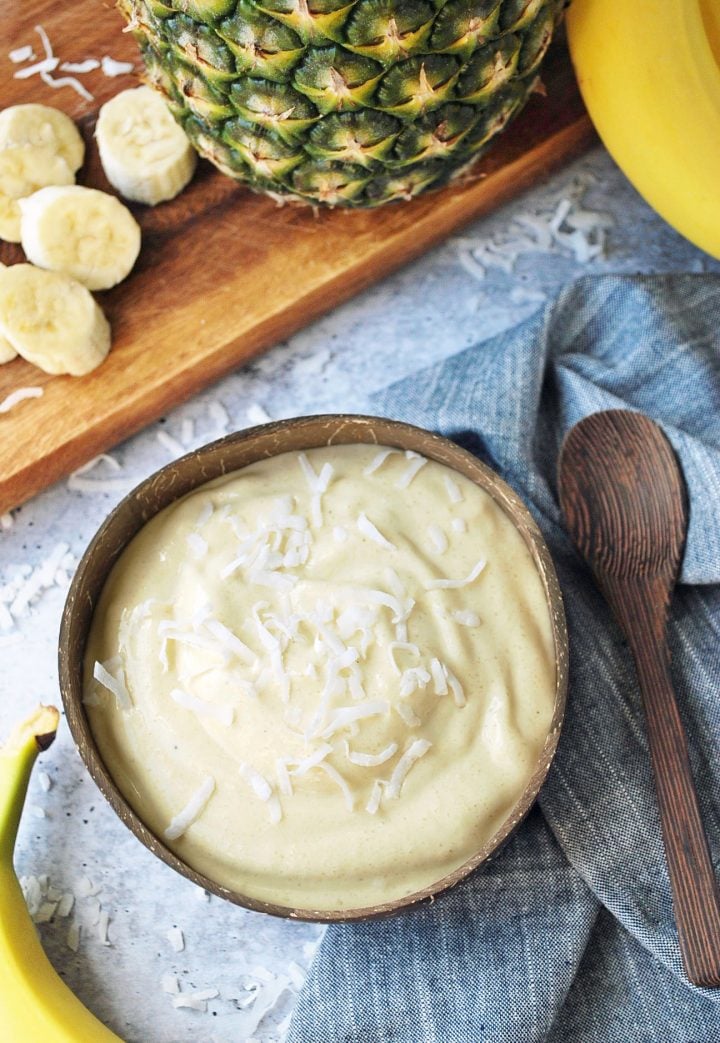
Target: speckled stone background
466, 290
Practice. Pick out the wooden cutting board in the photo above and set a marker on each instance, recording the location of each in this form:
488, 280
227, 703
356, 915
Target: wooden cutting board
223, 273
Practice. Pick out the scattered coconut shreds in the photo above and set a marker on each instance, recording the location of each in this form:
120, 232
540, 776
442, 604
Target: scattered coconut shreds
416, 463
256, 414
171, 444
31, 584
455, 584
187, 432
17, 396
192, 810
111, 67
176, 939
102, 928
375, 797
72, 939
370, 760
85, 888
197, 544
37, 811
297, 976
257, 782
414, 752
219, 416
46, 66
45, 781
116, 684
466, 618
87, 66
65, 905
459, 525
366, 527
196, 1000
340, 534
453, 490
437, 671
22, 54
378, 461
438, 539
170, 984
6, 521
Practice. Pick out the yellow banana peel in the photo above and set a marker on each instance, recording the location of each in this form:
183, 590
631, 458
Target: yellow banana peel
649, 73
36, 1006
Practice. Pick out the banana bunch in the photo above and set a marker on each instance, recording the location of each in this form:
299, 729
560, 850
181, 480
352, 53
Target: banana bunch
649, 73
36, 1006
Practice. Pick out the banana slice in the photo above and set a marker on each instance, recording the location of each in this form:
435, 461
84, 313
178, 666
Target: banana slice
52, 320
23, 170
145, 154
85, 233
7, 351
42, 125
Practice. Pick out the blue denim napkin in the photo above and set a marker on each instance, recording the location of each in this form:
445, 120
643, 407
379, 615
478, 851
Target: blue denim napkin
568, 935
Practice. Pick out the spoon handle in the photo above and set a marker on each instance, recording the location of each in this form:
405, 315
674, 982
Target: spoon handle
696, 898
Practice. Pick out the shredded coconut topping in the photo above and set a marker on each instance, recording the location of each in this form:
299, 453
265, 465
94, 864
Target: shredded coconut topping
17, 396
415, 751
453, 489
191, 812
416, 463
379, 460
366, 527
223, 714
116, 684
455, 584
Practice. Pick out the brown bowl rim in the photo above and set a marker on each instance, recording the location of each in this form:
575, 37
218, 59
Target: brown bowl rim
228, 454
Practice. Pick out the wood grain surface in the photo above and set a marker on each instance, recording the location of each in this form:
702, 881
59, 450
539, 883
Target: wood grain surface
224, 273
624, 501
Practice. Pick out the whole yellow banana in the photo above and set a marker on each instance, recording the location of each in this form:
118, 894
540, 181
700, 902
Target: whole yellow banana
649, 73
36, 1006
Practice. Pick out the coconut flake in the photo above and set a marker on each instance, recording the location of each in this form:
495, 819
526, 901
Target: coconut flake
72, 939
283, 777
415, 751
379, 460
313, 759
416, 463
256, 414
66, 81
257, 782
370, 760
350, 714
192, 810
102, 929
273, 580
89, 65
111, 67
459, 525
466, 618
453, 489
405, 646
340, 534
223, 714
406, 712
47, 65
337, 778
21, 54
66, 904
413, 678
375, 796
438, 676
455, 584
176, 939
17, 396
171, 444
230, 641
195, 1000
45, 781
438, 538
456, 688
366, 527
6, 521
116, 685
170, 984
197, 544
220, 416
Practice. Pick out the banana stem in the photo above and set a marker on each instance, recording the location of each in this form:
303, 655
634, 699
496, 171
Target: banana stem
17, 757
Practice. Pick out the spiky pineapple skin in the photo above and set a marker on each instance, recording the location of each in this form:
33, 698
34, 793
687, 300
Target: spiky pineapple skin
348, 103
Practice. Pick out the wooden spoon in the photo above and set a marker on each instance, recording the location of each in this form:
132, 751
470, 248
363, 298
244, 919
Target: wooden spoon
624, 501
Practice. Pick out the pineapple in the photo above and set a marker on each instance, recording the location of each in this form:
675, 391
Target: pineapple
343, 102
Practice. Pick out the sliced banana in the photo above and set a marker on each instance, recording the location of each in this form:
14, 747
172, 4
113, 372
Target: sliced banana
42, 125
52, 320
85, 233
145, 154
7, 351
23, 170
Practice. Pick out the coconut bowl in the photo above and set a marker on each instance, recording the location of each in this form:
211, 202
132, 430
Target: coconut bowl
235, 451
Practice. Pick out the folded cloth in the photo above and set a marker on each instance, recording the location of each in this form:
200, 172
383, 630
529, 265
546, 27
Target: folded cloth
568, 934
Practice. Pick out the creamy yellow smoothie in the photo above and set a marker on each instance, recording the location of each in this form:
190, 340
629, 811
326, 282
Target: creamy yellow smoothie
324, 680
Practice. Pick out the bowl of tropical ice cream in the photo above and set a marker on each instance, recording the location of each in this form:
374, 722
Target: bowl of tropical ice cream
319, 667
